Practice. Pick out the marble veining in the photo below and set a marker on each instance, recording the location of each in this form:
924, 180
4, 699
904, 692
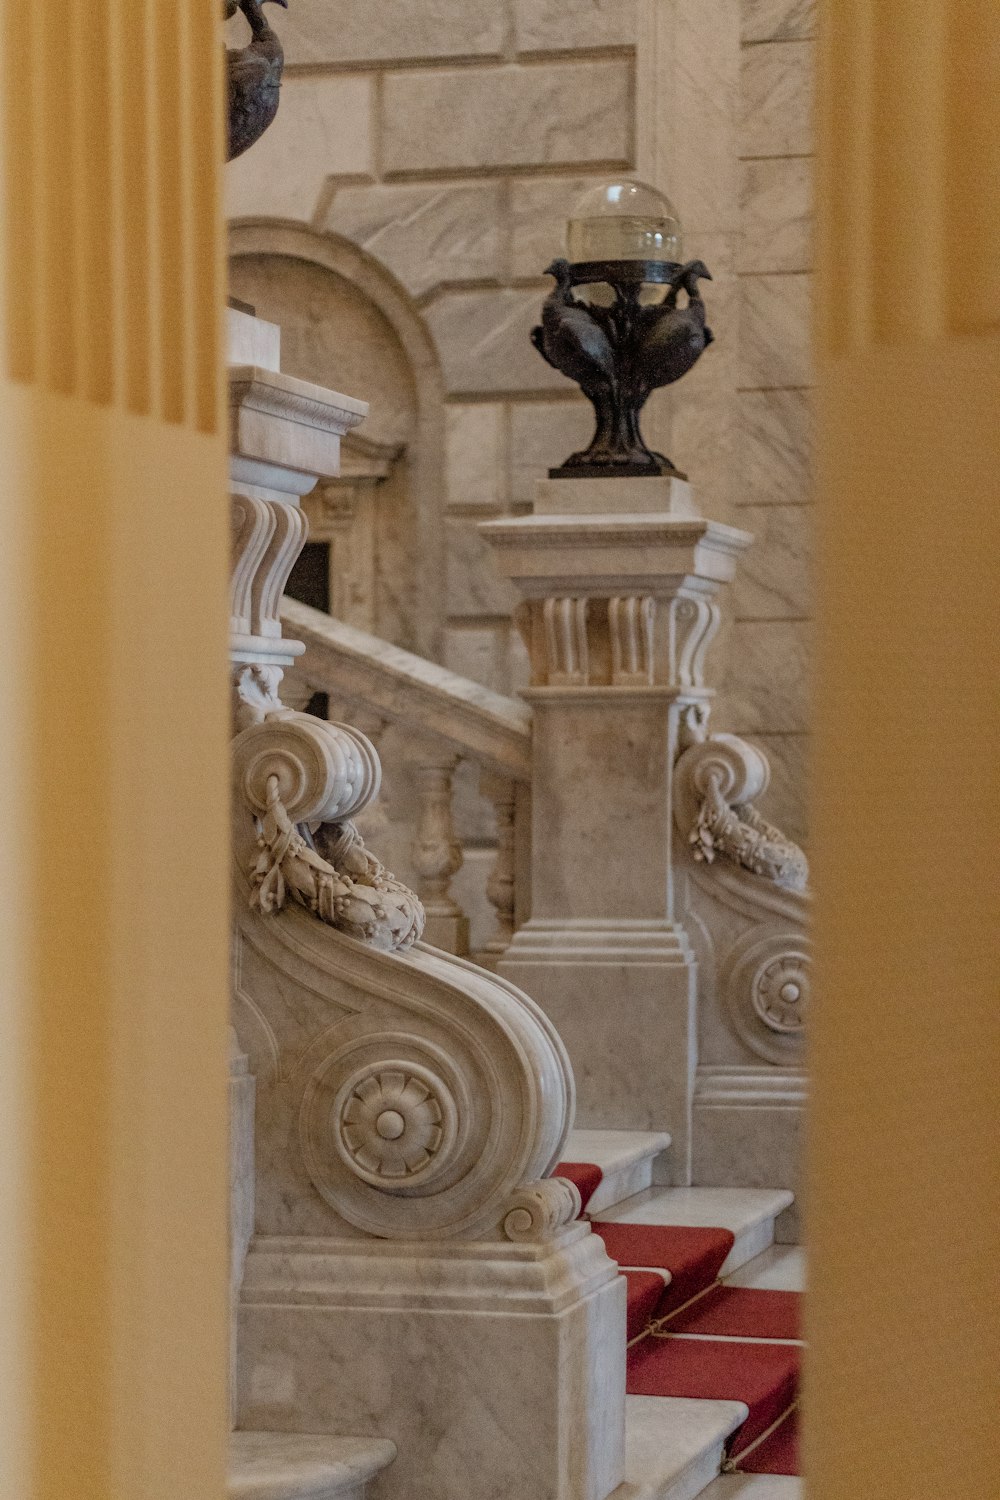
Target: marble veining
777, 99
424, 234
775, 215
778, 20
775, 447
775, 342
673, 1445
294, 1466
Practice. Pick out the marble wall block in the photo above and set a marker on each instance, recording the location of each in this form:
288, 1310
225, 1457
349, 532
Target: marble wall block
554, 25
425, 235
774, 580
775, 447
778, 20
479, 652
484, 342
543, 434
752, 1147
475, 457
332, 335
689, 68
776, 100
323, 129
694, 421
767, 678
775, 337
474, 586
786, 801
352, 31
775, 214
539, 209
449, 120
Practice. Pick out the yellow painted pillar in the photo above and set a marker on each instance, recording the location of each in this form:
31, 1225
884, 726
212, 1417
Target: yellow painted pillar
904, 1199
113, 755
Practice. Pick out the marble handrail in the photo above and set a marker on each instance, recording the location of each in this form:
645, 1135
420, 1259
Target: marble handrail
479, 724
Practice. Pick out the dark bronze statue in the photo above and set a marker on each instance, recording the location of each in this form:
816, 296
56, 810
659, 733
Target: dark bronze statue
619, 355
254, 77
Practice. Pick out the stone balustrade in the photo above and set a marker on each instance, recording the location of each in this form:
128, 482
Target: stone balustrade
447, 720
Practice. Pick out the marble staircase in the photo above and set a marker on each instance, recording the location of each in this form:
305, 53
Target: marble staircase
749, 1213
675, 1446
404, 1242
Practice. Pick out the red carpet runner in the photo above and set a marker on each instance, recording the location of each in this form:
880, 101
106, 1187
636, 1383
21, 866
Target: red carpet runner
691, 1335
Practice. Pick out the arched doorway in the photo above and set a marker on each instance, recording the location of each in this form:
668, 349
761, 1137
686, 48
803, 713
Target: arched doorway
375, 554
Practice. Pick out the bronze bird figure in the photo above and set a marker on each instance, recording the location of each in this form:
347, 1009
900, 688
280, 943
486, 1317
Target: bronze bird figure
254, 77
670, 339
572, 340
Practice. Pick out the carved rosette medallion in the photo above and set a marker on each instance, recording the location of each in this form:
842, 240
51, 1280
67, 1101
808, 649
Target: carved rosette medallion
780, 992
391, 1123
384, 1115
767, 983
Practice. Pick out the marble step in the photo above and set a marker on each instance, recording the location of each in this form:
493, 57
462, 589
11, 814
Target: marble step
674, 1446
748, 1212
625, 1157
753, 1487
291, 1466
781, 1268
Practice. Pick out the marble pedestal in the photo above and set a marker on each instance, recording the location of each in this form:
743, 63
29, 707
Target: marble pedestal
450, 1355
619, 581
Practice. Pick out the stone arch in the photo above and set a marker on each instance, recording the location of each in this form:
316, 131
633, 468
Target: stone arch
405, 437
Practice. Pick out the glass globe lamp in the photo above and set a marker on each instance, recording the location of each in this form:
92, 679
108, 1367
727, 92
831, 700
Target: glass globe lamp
626, 224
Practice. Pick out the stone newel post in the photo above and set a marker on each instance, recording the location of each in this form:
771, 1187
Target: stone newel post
619, 580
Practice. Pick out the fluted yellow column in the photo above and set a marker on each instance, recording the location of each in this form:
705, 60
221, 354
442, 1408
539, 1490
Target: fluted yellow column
905, 1171
113, 755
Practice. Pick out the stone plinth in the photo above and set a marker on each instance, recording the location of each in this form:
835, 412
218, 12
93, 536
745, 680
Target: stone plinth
619, 609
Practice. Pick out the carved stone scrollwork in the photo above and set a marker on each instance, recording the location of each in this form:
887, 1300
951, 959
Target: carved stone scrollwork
302, 779
409, 1129
566, 644
716, 782
540, 1209
267, 538
694, 623
631, 622
766, 982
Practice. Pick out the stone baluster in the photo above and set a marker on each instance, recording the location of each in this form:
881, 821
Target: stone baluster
501, 887
437, 852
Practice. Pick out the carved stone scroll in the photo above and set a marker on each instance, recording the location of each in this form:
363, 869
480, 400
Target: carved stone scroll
717, 781
302, 779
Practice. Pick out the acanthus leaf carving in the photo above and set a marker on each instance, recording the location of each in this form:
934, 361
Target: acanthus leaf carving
302, 779
717, 780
